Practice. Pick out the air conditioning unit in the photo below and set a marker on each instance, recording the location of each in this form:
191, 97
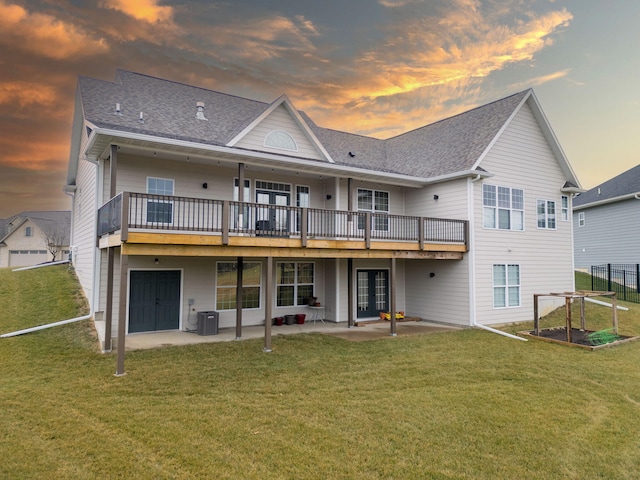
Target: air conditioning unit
207, 323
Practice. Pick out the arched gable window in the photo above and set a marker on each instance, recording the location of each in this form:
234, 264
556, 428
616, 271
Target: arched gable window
280, 139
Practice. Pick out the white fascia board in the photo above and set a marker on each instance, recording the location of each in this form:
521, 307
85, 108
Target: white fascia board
553, 140
629, 196
338, 170
283, 99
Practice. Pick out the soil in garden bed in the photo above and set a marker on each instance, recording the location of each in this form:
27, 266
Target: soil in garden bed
578, 337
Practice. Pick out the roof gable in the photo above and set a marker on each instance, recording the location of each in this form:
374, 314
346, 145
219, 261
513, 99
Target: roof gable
281, 116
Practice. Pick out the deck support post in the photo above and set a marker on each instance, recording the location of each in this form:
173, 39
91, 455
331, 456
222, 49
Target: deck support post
350, 292
122, 312
392, 292
239, 300
108, 321
268, 305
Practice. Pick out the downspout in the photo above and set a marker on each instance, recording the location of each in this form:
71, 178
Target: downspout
42, 327
472, 269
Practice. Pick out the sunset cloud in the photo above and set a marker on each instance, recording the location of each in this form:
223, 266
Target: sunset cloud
26, 94
44, 34
145, 10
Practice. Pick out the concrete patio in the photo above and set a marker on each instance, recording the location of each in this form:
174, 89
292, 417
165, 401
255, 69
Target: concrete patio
366, 331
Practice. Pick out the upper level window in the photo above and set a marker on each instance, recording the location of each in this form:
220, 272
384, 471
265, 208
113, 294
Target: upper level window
546, 210
565, 208
28, 232
160, 210
374, 201
503, 207
280, 139
581, 219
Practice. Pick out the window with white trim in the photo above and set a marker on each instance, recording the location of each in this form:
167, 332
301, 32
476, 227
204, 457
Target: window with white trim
374, 201
546, 210
280, 139
503, 207
302, 201
506, 285
28, 232
294, 283
581, 219
564, 209
241, 221
160, 210
227, 281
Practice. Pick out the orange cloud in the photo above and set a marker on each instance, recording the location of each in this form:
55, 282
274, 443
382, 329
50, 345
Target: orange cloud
26, 94
44, 34
264, 39
145, 10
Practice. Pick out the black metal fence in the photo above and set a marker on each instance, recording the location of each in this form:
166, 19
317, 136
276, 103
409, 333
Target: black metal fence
619, 278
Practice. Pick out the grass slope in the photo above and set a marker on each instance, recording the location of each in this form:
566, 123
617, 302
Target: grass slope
462, 405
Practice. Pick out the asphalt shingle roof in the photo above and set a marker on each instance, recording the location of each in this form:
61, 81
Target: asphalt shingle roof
445, 147
624, 184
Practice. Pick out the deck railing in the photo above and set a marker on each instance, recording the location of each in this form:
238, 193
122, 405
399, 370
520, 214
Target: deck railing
170, 213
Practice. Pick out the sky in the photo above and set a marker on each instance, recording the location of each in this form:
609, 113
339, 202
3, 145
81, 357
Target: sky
372, 67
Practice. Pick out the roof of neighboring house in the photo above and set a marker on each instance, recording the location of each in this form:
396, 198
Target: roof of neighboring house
44, 219
621, 187
446, 147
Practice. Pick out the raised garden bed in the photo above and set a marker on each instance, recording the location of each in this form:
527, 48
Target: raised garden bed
588, 339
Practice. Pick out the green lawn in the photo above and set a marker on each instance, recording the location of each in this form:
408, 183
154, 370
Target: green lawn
462, 405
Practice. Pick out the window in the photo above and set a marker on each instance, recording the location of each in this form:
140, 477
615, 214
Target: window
160, 210
28, 232
227, 280
295, 282
565, 208
503, 207
241, 221
281, 140
506, 285
581, 219
546, 210
302, 201
376, 202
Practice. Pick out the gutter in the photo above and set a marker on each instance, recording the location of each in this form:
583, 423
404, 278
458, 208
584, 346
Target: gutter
630, 196
346, 171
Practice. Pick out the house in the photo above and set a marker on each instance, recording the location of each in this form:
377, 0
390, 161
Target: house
34, 237
183, 194
606, 222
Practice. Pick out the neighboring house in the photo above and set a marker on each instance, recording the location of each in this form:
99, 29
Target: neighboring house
459, 222
606, 222
30, 238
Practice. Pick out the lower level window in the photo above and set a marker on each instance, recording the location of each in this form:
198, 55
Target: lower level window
506, 285
294, 282
227, 281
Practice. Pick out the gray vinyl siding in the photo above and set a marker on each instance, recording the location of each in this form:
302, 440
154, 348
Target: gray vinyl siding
610, 234
280, 119
522, 158
189, 179
442, 298
451, 203
83, 230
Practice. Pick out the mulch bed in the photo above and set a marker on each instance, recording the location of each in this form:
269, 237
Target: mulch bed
579, 338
